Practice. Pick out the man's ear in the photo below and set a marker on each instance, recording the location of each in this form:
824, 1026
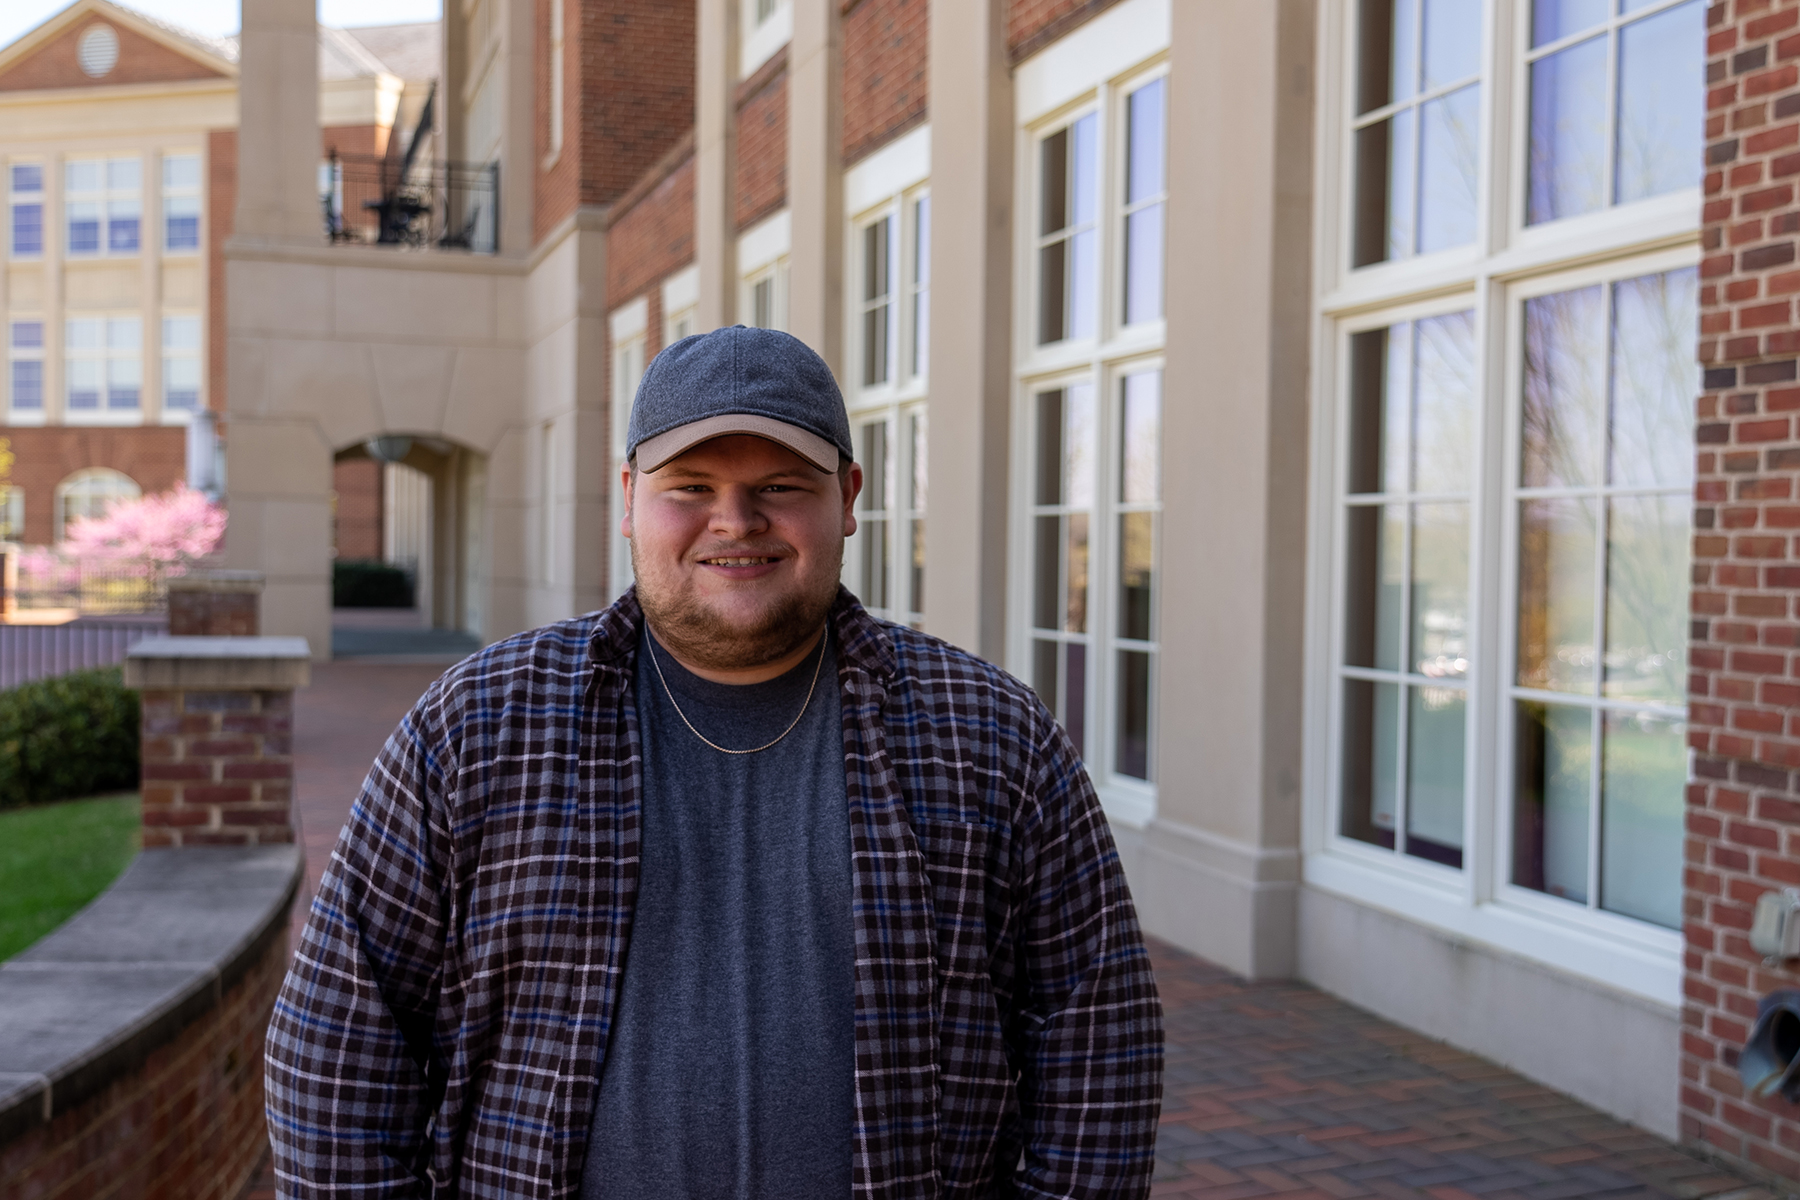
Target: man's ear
625, 483
852, 488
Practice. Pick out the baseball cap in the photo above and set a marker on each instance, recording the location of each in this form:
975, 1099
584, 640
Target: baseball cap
760, 382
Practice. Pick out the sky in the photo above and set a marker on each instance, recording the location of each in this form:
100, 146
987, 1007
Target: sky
219, 17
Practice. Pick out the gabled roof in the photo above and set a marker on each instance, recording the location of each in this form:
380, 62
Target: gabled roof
410, 51
212, 55
343, 57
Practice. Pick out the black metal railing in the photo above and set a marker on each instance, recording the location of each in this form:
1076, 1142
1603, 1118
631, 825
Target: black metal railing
91, 587
384, 200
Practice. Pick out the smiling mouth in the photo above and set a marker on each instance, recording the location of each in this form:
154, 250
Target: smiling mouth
738, 561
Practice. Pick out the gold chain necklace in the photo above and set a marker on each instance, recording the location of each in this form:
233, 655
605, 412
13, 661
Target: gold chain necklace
817, 667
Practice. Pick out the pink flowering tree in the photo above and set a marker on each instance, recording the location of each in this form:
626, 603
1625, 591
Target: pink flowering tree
149, 538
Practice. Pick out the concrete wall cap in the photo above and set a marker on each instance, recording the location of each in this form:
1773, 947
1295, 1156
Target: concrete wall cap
220, 663
217, 581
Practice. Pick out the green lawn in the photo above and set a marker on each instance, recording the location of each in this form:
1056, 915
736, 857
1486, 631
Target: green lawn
54, 858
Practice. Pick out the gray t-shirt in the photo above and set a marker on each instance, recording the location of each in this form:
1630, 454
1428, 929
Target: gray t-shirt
729, 1071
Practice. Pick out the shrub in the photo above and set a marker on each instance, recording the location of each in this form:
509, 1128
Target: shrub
367, 583
75, 735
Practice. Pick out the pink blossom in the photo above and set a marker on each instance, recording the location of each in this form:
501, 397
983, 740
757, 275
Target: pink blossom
162, 533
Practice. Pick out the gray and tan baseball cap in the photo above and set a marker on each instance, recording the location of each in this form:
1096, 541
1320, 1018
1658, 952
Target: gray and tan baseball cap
760, 382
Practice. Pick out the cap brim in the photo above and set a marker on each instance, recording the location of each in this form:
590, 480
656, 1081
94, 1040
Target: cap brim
657, 452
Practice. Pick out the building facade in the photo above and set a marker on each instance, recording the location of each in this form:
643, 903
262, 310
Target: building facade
1305, 397
118, 137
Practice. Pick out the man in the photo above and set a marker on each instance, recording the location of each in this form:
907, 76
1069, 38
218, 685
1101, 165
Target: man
727, 891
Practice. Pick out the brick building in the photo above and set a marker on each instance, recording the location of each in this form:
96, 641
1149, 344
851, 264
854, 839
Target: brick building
1300, 395
118, 140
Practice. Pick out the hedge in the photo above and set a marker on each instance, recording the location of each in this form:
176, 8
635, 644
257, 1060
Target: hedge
75, 735
368, 583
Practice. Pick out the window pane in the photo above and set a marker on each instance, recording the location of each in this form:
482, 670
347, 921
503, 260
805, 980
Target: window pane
1452, 41
1385, 189
181, 383
875, 345
875, 260
1132, 752
181, 223
1661, 99
1553, 762
181, 171
1046, 672
1565, 389
1643, 775
1445, 405
122, 226
1434, 774
1568, 133
921, 301
1078, 445
84, 228
762, 304
916, 584
1053, 182
1082, 174
875, 466
27, 229
874, 563
1647, 585
1050, 448
1440, 591
1144, 264
181, 333
124, 174
1144, 168
1449, 164
1074, 710
28, 384
1075, 612
1655, 379
1137, 562
1140, 438
1371, 761
1387, 63
1556, 595
1554, 19
85, 382
82, 176
123, 333
1083, 295
28, 335
1053, 283
1375, 565
85, 333
916, 427
1380, 381
27, 177
1046, 588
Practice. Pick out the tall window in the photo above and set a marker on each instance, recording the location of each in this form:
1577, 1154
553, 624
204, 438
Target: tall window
1603, 496
91, 492
880, 313
1502, 583
890, 516
181, 202
1615, 103
103, 199
12, 513
1417, 127
25, 368
628, 369
919, 287
765, 296
104, 366
679, 325
1091, 391
181, 364
25, 183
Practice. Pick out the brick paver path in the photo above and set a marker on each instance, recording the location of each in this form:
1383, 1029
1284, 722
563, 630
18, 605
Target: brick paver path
1273, 1090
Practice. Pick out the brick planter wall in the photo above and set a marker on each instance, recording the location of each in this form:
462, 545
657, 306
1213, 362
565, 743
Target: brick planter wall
1744, 797
218, 767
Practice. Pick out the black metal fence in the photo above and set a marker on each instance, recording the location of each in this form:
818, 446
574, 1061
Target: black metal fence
93, 588
382, 200
29, 652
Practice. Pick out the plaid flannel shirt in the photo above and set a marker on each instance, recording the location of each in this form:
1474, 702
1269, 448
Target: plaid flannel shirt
444, 1025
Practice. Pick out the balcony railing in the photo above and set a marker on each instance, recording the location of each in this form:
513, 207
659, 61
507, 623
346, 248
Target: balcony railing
381, 200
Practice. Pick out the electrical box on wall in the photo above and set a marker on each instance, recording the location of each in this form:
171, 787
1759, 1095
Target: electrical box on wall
1775, 934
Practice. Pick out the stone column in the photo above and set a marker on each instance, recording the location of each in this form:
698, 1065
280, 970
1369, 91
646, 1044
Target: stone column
971, 324
1220, 872
215, 604
715, 163
815, 184
278, 123
217, 747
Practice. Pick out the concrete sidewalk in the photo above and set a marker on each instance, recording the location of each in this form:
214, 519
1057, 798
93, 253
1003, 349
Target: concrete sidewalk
1273, 1090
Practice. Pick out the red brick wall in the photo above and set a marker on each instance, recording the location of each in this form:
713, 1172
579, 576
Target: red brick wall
155, 458
652, 237
355, 139
628, 98
762, 143
1033, 24
1744, 799
218, 768
221, 214
186, 1125
356, 508
141, 60
885, 59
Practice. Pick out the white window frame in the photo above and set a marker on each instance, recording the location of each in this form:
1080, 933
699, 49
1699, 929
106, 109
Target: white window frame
902, 517
681, 305
41, 198
762, 35
181, 416
105, 355
1506, 262
198, 193
59, 510
105, 198
40, 414
1126, 50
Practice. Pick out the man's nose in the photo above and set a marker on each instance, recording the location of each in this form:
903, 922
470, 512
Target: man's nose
736, 514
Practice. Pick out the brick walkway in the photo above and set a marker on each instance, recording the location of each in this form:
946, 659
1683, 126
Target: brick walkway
1274, 1090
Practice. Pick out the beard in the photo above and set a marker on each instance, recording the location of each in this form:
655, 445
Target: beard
697, 634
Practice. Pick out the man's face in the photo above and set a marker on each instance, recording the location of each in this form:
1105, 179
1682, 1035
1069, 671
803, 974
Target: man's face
737, 546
